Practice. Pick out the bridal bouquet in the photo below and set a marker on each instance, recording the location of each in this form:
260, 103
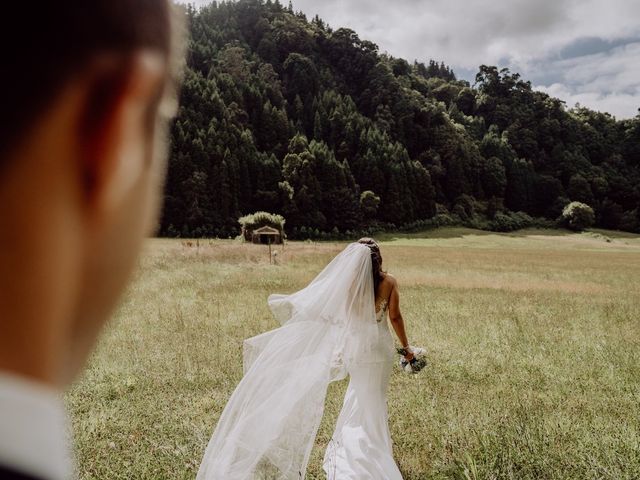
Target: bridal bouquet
417, 363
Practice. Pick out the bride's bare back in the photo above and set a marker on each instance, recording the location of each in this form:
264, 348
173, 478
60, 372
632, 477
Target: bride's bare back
388, 296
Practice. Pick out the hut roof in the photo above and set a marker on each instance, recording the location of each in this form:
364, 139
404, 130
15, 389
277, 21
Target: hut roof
266, 230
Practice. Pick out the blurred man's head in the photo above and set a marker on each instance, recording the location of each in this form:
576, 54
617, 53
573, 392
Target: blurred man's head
85, 95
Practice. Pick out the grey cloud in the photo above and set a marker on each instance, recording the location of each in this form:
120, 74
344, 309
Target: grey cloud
606, 81
591, 45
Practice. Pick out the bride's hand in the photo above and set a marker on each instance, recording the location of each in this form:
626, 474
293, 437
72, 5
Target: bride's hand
409, 355
412, 359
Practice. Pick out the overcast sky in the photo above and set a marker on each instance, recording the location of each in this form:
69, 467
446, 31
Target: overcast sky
585, 51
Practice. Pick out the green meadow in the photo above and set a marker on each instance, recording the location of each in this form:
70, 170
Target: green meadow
533, 340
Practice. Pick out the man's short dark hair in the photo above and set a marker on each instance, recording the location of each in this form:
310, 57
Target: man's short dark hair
42, 44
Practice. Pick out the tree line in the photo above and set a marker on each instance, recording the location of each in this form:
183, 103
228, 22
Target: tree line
284, 114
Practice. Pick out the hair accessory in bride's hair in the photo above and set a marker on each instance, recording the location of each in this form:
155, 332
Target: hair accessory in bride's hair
376, 260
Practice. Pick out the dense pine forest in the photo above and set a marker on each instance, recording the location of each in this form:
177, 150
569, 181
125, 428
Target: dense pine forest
284, 114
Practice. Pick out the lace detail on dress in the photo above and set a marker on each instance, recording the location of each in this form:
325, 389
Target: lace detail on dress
380, 314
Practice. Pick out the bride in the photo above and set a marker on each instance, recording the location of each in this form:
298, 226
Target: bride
334, 327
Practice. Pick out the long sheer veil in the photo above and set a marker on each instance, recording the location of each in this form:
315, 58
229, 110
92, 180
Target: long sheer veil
269, 425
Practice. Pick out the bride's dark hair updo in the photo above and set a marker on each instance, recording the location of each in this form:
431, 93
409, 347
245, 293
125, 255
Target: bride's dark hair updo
376, 261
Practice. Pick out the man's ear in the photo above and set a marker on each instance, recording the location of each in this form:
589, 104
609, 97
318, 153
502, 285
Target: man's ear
116, 127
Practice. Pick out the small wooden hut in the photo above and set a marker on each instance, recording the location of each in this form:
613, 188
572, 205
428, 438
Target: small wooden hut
266, 235
262, 227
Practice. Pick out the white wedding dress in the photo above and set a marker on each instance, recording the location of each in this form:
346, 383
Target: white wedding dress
360, 447
330, 329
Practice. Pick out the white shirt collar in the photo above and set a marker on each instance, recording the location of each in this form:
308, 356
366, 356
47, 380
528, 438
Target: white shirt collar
33, 429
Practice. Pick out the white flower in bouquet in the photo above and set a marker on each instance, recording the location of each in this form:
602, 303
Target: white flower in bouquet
418, 362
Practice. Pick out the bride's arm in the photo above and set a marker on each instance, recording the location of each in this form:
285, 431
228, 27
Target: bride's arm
396, 318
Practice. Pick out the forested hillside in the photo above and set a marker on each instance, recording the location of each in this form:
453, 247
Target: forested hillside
285, 114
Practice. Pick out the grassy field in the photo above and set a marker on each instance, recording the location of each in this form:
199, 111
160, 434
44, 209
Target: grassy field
533, 339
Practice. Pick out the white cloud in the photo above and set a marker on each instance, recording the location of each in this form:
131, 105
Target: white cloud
605, 81
620, 105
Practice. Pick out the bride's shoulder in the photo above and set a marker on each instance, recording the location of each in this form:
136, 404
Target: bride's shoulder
390, 279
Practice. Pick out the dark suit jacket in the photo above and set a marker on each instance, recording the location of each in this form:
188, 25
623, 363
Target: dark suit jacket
6, 474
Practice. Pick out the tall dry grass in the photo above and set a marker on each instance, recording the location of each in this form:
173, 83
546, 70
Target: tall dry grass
533, 339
